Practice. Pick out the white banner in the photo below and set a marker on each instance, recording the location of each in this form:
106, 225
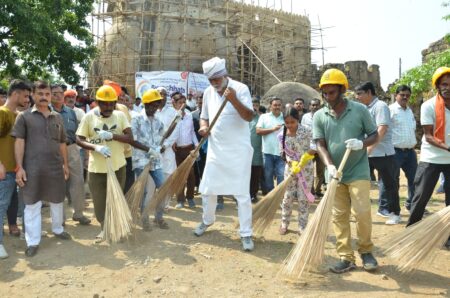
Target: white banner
173, 81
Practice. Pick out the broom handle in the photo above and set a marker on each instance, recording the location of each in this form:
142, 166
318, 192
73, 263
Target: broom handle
203, 140
344, 160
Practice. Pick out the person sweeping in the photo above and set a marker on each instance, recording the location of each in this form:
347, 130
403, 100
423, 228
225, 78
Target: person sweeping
340, 125
148, 132
104, 132
295, 142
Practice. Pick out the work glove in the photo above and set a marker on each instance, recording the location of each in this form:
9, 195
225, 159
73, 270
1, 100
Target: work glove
306, 157
154, 152
103, 150
333, 173
354, 144
105, 135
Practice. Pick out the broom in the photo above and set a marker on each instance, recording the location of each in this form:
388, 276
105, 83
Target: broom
309, 251
118, 221
176, 181
417, 244
135, 194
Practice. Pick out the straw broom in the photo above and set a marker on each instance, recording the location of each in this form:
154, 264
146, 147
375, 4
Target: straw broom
309, 251
118, 221
177, 180
265, 210
418, 243
135, 194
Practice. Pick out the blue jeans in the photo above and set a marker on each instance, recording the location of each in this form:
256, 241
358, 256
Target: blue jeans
7, 187
158, 178
273, 167
407, 161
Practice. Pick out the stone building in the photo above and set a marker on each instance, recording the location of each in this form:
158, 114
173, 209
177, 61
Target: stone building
149, 35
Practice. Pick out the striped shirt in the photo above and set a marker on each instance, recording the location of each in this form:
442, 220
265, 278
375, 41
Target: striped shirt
186, 133
403, 127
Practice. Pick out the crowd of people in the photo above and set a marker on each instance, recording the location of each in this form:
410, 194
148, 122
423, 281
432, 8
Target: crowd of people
53, 140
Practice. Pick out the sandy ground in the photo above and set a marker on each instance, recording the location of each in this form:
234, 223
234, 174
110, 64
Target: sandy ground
175, 263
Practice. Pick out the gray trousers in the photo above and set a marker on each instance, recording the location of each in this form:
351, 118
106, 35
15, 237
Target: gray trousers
75, 184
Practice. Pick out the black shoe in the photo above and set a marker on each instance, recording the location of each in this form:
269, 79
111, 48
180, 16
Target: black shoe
254, 200
343, 266
31, 251
369, 262
83, 220
447, 245
64, 236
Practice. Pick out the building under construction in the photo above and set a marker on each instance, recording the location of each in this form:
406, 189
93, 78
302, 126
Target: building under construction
260, 44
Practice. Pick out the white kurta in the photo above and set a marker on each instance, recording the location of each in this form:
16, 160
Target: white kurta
166, 116
229, 157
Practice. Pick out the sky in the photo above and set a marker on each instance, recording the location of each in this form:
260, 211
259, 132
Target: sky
377, 31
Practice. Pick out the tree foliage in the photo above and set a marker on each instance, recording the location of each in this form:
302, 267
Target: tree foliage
38, 37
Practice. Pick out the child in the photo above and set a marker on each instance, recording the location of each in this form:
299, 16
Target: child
296, 149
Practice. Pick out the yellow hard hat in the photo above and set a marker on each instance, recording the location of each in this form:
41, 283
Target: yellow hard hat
151, 96
439, 73
106, 93
333, 76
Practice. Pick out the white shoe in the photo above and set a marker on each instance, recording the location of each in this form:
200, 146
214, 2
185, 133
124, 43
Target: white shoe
247, 243
200, 229
3, 253
393, 219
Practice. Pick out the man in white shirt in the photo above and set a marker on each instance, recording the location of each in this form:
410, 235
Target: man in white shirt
403, 126
138, 106
268, 126
191, 103
435, 149
319, 167
229, 158
186, 142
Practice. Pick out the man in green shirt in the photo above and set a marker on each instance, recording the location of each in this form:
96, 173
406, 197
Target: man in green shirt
339, 125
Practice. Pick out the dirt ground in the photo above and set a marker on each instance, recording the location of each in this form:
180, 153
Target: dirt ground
175, 263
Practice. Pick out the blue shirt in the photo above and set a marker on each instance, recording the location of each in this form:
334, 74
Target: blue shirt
70, 123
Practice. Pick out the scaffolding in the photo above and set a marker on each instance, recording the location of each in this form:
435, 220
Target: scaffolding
261, 45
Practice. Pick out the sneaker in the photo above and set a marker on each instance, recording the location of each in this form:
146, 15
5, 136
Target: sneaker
369, 262
283, 230
393, 219
200, 229
100, 237
343, 266
3, 253
179, 205
247, 243
191, 203
383, 213
219, 206
254, 200
64, 236
83, 220
31, 251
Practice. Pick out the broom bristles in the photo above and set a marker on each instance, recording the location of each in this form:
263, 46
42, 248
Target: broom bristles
309, 252
173, 185
135, 194
417, 244
118, 220
265, 210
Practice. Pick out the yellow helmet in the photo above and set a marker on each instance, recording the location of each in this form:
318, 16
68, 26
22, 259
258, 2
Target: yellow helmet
439, 73
151, 96
106, 93
333, 76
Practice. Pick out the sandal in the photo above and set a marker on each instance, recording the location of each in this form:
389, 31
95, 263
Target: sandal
14, 230
162, 224
283, 230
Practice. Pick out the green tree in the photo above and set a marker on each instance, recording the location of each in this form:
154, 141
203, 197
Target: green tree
39, 37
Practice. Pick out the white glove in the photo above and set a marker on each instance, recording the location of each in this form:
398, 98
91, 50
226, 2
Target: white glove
354, 144
333, 173
103, 150
105, 135
155, 152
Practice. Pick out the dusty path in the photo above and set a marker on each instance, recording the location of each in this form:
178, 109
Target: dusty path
175, 263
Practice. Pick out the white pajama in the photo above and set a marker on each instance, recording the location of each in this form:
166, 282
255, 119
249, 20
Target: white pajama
244, 212
33, 221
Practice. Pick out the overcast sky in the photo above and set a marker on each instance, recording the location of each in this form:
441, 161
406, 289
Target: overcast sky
378, 31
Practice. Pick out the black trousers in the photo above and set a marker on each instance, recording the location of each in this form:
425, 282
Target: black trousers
386, 167
427, 175
129, 180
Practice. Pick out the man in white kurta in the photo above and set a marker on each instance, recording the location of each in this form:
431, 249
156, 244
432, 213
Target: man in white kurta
229, 156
